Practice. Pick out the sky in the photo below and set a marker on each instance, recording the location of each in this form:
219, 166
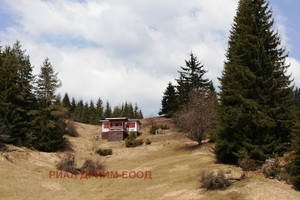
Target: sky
128, 50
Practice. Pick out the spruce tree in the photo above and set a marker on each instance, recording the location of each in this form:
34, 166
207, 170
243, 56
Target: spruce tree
169, 102
108, 111
294, 166
66, 102
130, 111
49, 121
117, 112
73, 105
191, 78
255, 100
99, 109
92, 112
17, 99
135, 111
85, 117
140, 115
78, 111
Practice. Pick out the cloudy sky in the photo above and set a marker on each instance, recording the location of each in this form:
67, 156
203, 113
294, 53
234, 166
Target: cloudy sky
128, 50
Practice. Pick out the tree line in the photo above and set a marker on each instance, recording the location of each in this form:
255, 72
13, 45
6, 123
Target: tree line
257, 111
32, 115
91, 113
29, 112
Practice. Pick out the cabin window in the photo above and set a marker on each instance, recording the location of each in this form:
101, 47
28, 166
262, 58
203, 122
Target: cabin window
131, 125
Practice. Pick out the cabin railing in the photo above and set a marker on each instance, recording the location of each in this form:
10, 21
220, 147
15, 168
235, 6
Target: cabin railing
117, 128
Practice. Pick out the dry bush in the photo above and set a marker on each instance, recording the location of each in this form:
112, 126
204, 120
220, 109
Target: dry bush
273, 170
104, 152
67, 164
71, 129
3, 147
153, 126
247, 164
133, 143
91, 167
164, 127
148, 142
212, 181
197, 117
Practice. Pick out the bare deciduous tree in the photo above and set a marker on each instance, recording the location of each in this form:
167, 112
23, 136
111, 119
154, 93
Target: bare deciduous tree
197, 117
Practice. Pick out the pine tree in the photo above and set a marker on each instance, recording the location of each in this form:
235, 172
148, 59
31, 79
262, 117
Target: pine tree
125, 110
66, 102
99, 109
17, 100
294, 166
85, 117
92, 112
255, 101
73, 105
49, 121
117, 112
47, 83
78, 111
169, 102
130, 114
191, 78
108, 111
140, 115
136, 111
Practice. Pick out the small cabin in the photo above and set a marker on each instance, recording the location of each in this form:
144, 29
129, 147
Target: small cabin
119, 128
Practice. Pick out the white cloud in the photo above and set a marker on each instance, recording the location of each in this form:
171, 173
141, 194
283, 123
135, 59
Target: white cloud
294, 70
122, 50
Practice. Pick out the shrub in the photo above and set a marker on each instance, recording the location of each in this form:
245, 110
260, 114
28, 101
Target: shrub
272, 169
104, 152
91, 167
153, 126
213, 136
148, 142
247, 164
3, 147
212, 181
67, 164
133, 143
164, 127
132, 136
71, 129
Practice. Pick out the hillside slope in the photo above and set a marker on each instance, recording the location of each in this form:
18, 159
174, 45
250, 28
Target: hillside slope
174, 161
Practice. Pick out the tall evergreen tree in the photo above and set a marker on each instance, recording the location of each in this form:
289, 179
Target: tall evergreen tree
255, 101
78, 111
135, 111
92, 112
140, 115
73, 105
117, 112
99, 109
130, 114
66, 102
49, 121
47, 84
108, 111
191, 78
85, 117
294, 166
16, 97
169, 102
